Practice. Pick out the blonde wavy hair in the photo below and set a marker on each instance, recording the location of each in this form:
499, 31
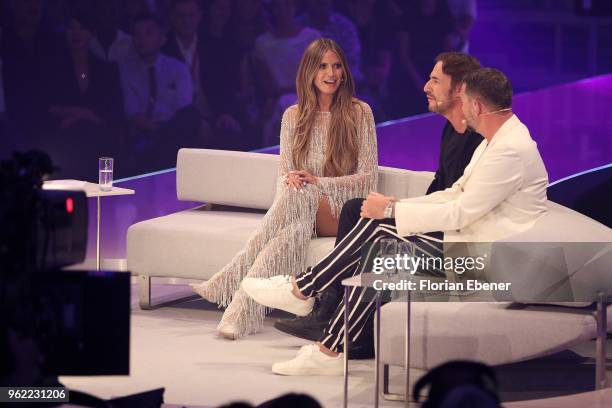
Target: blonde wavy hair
342, 143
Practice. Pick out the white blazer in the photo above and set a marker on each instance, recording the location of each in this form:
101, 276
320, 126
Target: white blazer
502, 192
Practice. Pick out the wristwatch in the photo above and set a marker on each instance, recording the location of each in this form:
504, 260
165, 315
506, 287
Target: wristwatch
389, 210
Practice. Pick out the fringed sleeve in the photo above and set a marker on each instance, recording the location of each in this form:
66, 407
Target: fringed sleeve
341, 189
286, 134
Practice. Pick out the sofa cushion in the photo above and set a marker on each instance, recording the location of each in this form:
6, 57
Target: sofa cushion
196, 243
493, 333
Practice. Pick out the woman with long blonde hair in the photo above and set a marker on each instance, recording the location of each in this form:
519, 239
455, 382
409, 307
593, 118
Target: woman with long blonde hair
328, 155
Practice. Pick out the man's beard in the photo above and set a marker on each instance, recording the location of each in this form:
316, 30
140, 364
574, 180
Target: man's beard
470, 124
440, 107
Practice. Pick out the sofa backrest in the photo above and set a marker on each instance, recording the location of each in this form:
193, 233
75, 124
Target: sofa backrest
245, 179
564, 257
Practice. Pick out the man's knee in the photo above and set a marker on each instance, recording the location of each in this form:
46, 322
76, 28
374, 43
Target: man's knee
349, 216
351, 210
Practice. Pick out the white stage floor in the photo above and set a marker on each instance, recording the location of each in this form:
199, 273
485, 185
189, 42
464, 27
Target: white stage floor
176, 348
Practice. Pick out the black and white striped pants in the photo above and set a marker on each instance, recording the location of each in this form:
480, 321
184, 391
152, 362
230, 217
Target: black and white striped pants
341, 263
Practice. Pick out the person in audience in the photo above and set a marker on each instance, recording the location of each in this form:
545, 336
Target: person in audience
277, 56
2, 103
211, 59
131, 11
422, 33
459, 383
502, 192
109, 42
158, 99
328, 155
184, 44
464, 16
9, 143
322, 17
456, 148
26, 49
85, 104
248, 22
374, 34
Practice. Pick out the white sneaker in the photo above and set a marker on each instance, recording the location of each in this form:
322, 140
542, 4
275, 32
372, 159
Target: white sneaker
311, 361
276, 292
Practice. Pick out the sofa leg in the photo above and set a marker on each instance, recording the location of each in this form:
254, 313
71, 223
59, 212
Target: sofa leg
144, 295
144, 292
385, 386
600, 345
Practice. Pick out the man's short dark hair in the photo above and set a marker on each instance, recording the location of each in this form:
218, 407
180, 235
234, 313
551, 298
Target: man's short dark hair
457, 65
491, 85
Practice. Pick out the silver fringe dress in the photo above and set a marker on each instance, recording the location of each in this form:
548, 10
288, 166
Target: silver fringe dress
279, 245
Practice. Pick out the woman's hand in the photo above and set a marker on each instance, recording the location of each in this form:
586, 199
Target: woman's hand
306, 177
293, 181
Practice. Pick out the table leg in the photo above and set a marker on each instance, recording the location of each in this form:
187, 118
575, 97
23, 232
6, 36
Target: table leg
377, 362
600, 344
98, 236
407, 362
346, 344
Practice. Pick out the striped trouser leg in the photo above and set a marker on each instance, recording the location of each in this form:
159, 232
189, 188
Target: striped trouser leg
362, 301
343, 261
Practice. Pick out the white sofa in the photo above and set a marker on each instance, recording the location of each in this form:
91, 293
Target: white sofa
196, 243
499, 333
237, 188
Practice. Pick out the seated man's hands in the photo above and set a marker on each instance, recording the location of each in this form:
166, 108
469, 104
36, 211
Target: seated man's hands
374, 206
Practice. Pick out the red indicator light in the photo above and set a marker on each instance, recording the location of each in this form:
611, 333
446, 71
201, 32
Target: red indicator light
69, 205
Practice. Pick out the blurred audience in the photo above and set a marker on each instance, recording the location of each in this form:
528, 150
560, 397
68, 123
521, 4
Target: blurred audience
158, 98
27, 46
131, 10
184, 44
321, 16
225, 72
109, 42
374, 35
425, 28
458, 384
292, 400
85, 104
277, 57
247, 23
464, 16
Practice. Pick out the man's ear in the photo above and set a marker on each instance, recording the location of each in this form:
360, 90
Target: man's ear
478, 107
456, 91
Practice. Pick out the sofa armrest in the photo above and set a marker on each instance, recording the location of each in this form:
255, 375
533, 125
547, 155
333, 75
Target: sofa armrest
240, 179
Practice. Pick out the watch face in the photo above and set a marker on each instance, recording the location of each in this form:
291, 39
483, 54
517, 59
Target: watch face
388, 210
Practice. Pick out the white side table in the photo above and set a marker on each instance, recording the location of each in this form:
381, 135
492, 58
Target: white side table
91, 190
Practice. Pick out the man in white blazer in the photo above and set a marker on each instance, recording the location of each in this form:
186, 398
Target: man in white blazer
503, 188
501, 192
